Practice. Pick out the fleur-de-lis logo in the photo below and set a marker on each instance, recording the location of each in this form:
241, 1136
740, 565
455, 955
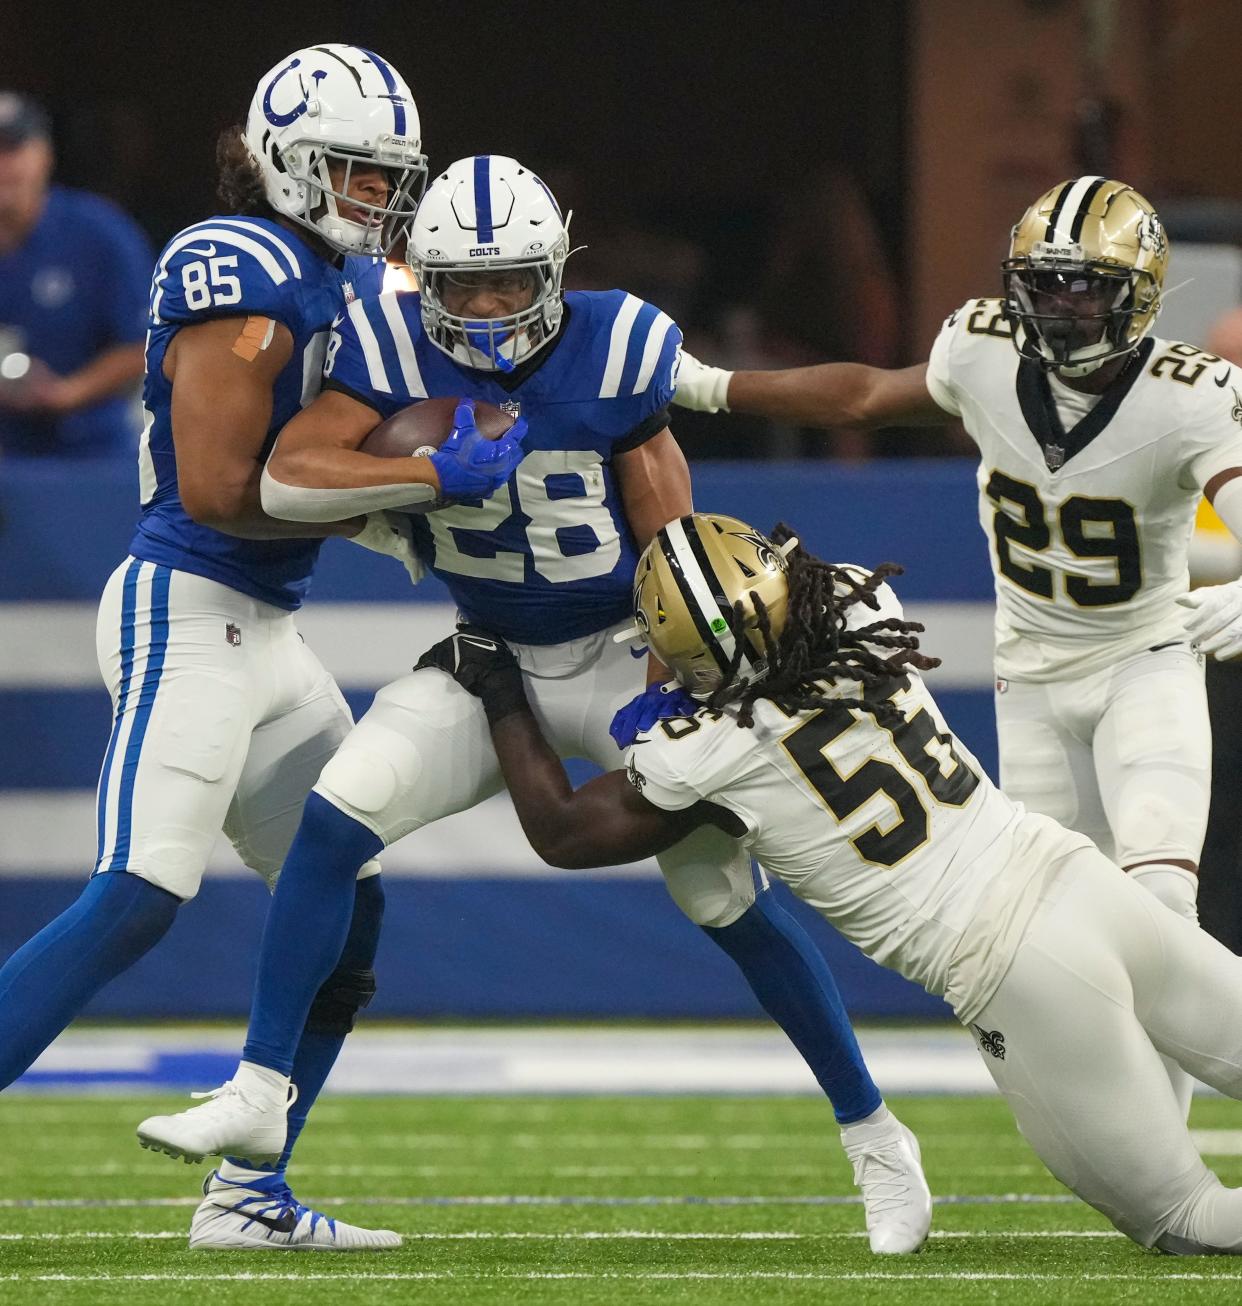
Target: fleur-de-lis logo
769, 557
992, 1041
1151, 235
1236, 411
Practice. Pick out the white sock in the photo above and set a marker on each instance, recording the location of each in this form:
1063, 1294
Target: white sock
880, 1116
260, 1082
1174, 886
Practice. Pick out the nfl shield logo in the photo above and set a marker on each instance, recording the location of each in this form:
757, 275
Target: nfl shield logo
232, 634
512, 407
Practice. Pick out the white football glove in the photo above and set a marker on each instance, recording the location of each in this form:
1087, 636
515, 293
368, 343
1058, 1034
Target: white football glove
1215, 622
391, 533
701, 388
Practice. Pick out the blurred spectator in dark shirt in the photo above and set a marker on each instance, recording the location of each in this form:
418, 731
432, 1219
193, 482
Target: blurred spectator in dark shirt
74, 278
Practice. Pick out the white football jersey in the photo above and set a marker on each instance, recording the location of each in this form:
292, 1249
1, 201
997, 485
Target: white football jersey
1088, 503
894, 834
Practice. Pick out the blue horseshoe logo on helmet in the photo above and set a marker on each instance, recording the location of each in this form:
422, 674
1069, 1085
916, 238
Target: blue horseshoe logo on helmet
284, 119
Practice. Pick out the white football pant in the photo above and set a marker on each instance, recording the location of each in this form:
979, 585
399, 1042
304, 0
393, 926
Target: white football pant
222, 719
423, 751
1104, 980
1124, 756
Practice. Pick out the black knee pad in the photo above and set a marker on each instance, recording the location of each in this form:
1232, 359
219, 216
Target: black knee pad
341, 996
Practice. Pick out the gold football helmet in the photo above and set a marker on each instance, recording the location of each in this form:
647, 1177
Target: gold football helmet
688, 580
1084, 274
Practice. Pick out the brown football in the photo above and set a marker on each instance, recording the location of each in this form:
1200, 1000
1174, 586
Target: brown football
423, 427
426, 425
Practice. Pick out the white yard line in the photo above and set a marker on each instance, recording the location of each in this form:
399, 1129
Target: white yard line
571, 1200
534, 1276
601, 1235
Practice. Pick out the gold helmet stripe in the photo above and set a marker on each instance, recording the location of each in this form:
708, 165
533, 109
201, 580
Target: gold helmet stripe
1065, 213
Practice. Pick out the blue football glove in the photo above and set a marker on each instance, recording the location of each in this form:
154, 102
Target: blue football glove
654, 704
470, 466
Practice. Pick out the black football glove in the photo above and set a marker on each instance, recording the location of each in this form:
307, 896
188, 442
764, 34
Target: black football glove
483, 666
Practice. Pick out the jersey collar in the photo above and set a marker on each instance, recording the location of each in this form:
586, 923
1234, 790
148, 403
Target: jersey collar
1040, 409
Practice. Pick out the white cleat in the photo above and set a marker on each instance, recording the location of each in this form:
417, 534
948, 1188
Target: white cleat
231, 1122
889, 1173
264, 1216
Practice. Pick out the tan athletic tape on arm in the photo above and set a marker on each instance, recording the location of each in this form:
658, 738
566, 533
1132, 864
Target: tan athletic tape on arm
256, 335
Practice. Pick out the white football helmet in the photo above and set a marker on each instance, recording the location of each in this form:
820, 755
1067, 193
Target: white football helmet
489, 215
337, 102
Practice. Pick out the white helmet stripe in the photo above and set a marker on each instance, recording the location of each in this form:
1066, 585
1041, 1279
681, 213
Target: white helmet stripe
1060, 229
698, 592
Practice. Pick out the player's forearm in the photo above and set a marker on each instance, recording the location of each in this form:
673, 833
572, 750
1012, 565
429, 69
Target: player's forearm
323, 485
570, 828
837, 395
830, 394
239, 511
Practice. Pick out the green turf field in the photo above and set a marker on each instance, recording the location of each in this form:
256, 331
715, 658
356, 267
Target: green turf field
575, 1200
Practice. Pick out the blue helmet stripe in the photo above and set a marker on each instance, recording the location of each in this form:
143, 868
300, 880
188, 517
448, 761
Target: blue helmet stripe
398, 100
483, 198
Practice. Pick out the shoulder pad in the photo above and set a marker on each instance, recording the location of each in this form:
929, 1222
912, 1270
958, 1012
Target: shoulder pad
223, 266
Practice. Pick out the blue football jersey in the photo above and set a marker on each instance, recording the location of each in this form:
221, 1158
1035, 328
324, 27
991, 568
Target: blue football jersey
550, 556
236, 267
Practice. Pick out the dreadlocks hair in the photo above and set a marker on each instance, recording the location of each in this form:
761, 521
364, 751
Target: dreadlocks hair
239, 185
815, 645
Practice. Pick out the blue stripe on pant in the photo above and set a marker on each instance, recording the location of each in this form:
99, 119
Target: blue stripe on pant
156, 651
128, 605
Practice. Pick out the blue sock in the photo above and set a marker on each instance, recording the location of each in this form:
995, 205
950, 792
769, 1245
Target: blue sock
335, 1006
47, 981
306, 928
791, 979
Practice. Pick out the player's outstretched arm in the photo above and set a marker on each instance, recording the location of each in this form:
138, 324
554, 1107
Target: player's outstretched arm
827, 395
604, 823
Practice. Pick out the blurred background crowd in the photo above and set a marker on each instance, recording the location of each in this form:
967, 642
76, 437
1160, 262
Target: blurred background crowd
795, 182
823, 179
